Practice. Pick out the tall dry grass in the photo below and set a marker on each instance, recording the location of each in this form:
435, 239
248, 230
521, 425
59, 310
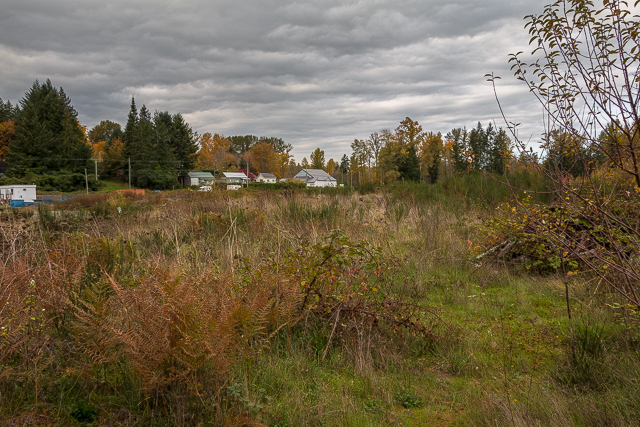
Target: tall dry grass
166, 303
245, 308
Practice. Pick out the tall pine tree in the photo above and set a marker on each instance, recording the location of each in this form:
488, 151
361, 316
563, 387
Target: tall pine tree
159, 147
183, 141
459, 149
500, 152
409, 164
48, 136
479, 144
130, 136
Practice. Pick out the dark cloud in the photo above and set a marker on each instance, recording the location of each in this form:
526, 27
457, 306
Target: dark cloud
316, 73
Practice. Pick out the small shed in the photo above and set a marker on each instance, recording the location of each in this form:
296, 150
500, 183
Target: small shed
24, 192
315, 178
268, 178
196, 178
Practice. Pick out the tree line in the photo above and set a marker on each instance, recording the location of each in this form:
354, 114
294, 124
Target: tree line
409, 153
42, 141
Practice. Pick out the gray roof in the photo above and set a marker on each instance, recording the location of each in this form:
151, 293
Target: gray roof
312, 175
240, 175
201, 175
267, 175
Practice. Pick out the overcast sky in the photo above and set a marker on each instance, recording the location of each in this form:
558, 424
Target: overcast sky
315, 73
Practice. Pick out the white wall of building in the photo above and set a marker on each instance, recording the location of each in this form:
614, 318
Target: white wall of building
18, 192
322, 184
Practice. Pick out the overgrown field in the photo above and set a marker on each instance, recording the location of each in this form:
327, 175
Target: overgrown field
299, 308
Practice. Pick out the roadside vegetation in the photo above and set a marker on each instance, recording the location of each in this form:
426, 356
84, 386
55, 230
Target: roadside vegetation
301, 307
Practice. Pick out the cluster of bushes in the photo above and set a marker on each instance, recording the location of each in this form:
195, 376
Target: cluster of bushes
63, 182
283, 185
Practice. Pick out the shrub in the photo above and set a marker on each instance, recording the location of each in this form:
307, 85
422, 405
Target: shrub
56, 181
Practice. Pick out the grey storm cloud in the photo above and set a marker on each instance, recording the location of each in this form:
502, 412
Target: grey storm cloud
315, 73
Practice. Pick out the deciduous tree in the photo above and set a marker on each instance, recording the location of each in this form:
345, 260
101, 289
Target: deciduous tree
362, 151
214, 152
7, 132
585, 71
105, 131
431, 154
331, 167
265, 159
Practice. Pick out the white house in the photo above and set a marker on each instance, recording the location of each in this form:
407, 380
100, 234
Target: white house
24, 192
316, 178
234, 178
269, 178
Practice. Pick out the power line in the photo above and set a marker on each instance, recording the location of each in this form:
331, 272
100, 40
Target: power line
102, 160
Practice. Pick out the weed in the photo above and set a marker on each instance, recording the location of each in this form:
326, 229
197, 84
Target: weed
84, 412
407, 399
586, 359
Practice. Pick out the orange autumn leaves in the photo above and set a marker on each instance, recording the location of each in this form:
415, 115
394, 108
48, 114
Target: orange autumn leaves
7, 130
215, 153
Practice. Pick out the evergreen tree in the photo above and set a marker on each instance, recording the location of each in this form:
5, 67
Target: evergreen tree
409, 165
148, 161
159, 147
458, 137
48, 136
278, 144
241, 144
183, 142
344, 164
434, 168
500, 152
130, 135
163, 145
317, 159
479, 144
8, 111
567, 153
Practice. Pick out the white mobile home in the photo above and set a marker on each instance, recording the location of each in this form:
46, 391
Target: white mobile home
24, 192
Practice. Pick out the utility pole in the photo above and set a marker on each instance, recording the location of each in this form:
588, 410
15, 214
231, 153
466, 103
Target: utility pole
95, 162
86, 179
129, 159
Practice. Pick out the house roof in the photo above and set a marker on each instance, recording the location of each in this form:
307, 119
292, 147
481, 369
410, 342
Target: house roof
235, 175
312, 175
267, 175
201, 175
18, 186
